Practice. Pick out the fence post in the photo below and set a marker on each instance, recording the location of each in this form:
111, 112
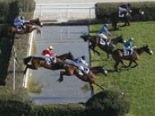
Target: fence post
14, 68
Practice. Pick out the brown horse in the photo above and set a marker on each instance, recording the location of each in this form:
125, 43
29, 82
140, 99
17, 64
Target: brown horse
133, 15
95, 41
118, 56
29, 27
10, 31
90, 77
37, 62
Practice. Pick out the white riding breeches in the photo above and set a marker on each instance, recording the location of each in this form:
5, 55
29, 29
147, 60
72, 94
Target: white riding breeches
102, 36
122, 9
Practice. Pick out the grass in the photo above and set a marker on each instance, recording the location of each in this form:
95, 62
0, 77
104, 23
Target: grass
137, 83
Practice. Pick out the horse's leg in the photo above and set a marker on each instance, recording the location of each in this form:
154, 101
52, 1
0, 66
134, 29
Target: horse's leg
125, 66
35, 28
116, 65
108, 56
95, 83
136, 64
95, 51
92, 47
25, 70
31, 67
67, 73
61, 76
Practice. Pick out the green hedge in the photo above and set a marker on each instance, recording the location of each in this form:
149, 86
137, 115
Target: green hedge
105, 103
103, 10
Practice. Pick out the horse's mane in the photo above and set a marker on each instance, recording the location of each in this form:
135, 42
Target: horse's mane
65, 55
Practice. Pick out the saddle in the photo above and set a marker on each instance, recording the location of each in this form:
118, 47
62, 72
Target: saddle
49, 60
127, 52
20, 28
80, 72
104, 42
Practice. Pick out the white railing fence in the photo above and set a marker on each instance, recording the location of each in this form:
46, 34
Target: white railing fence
65, 12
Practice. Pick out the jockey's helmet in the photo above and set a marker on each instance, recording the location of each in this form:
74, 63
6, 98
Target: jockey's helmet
22, 17
83, 57
131, 39
50, 48
106, 24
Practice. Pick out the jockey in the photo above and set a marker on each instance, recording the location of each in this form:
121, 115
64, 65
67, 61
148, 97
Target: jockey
82, 61
123, 9
128, 47
103, 36
19, 23
48, 53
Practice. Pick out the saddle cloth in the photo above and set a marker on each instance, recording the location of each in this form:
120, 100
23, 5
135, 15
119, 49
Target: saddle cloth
19, 28
103, 42
126, 52
120, 14
49, 60
78, 65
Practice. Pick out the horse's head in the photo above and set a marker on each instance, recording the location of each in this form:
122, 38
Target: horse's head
104, 71
148, 49
99, 69
36, 22
85, 37
137, 13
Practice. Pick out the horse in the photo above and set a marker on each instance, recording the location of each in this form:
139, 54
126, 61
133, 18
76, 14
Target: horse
128, 16
70, 70
95, 41
114, 18
37, 62
118, 56
29, 27
98, 69
11, 30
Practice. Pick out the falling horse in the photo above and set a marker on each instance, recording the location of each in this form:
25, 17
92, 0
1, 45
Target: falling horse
90, 77
95, 41
118, 56
37, 62
10, 31
29, 27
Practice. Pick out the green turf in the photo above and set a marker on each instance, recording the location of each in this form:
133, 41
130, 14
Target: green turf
137, 83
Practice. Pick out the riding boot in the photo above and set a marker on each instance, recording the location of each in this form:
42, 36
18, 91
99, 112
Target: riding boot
105, 42
129, 52
84, 73
23, 27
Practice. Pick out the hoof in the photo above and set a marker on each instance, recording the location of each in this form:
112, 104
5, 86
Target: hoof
60, 80
117, 70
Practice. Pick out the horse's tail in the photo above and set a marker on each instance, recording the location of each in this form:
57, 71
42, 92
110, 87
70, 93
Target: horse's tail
27, 60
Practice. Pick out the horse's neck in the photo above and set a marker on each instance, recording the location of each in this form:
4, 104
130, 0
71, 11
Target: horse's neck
140, 50
64, 57
114, 41
95, 69
34, 21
